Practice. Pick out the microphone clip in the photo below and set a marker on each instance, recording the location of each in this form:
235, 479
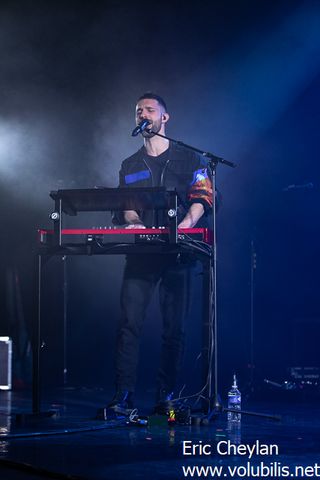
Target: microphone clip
140, 128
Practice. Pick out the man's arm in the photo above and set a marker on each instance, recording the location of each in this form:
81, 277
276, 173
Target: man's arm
193, 215
199, 195
132, 219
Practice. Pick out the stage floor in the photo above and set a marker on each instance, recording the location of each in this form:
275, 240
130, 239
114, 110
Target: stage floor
74, 444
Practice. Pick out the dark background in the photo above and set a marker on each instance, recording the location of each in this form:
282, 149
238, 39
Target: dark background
241, 79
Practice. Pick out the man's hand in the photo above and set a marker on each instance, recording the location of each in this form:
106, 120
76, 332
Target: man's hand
133, 220
135, 225
193, 215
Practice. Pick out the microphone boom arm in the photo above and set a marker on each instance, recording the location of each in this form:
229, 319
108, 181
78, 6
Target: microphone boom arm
212, 158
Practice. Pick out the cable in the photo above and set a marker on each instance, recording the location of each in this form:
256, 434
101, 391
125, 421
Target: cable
196, 245
210, 357
110, 424
193, 369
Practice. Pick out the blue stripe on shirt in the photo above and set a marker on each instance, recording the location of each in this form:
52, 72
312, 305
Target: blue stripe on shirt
136, 177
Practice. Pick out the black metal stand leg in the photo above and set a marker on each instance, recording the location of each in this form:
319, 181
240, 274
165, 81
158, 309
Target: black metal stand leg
36, 413
213, 393
36, 347
252, 287
65, 318
206, 336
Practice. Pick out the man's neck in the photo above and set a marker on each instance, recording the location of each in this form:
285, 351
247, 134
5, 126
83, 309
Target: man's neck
155, 146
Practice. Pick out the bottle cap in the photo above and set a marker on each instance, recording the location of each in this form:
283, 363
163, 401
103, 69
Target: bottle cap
235, 381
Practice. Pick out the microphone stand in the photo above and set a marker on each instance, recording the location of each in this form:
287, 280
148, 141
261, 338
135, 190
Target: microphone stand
212, 162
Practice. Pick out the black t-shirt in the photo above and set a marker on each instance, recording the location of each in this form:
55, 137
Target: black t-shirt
156, 165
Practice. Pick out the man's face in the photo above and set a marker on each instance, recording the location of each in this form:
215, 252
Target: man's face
150, 109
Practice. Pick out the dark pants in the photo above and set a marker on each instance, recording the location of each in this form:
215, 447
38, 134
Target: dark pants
141, 276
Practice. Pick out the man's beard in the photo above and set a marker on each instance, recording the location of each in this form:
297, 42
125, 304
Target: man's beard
155, 128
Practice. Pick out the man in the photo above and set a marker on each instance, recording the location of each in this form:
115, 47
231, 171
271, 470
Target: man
158, 163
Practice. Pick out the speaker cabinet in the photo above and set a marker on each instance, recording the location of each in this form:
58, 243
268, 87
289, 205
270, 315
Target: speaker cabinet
5, 363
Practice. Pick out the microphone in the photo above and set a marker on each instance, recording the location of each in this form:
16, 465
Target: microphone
140, 128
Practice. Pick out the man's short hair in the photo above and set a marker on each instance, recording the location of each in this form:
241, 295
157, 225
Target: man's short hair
154, 96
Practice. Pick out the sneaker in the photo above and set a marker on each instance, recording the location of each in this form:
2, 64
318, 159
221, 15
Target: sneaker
122, 403
164, 402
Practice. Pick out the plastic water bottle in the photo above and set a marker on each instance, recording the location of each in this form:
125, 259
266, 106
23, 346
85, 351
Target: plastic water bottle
234, 402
